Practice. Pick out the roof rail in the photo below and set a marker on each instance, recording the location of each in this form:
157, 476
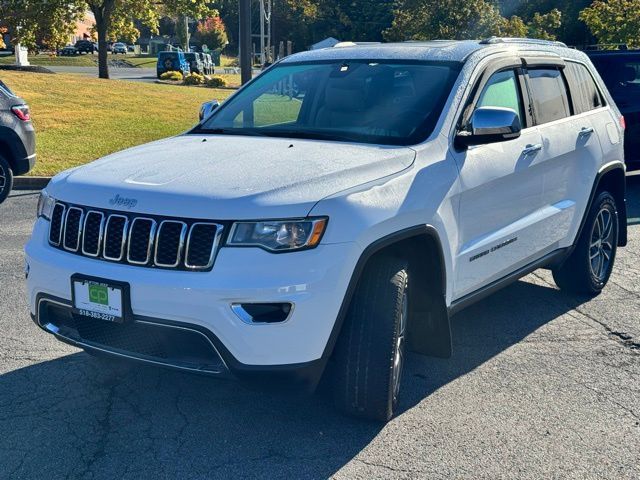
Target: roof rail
536, 41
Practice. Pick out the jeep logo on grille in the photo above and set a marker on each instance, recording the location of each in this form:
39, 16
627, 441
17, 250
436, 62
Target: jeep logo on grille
119, 201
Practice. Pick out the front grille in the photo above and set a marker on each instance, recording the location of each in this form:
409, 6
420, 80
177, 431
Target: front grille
146, 241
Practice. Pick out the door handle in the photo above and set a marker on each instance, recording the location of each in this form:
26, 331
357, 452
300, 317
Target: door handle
529, 149
585, 131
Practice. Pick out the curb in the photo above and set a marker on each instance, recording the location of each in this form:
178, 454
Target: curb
30, 183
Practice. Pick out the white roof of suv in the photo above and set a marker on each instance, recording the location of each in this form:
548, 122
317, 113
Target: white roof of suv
434, 50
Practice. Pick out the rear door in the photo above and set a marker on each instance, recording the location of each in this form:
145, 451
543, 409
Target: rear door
571, 153
500, 189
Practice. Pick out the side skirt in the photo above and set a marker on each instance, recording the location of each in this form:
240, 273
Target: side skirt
550, 259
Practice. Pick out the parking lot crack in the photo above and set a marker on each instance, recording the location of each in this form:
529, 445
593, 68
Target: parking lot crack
610, 399
622, 338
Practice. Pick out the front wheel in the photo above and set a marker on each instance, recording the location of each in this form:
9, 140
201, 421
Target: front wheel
369, 355
589, 267
6, 179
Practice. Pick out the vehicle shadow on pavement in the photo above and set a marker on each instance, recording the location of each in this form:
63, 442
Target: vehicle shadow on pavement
80, 416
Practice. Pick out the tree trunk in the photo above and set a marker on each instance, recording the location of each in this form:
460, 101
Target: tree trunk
103, 60
102, 12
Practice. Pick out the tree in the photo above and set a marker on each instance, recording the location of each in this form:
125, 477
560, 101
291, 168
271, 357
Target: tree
614, 21
212, 33
115, 19
437, 19
33, 22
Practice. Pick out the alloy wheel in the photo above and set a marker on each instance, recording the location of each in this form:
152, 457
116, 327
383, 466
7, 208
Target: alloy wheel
601, 245
398, 360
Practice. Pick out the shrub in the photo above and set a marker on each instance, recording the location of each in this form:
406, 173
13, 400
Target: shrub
173, 76
194, 79
216, 82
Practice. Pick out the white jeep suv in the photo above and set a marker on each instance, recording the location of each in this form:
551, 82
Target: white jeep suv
335, 212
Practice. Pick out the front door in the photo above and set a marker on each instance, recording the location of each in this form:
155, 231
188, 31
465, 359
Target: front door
500, 194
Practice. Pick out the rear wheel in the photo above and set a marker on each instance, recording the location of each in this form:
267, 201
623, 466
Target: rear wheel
6, 179
589, 267
370, 352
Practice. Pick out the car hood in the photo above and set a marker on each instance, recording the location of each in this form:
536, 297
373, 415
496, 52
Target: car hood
226, 177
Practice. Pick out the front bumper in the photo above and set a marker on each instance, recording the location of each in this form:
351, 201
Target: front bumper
315, 281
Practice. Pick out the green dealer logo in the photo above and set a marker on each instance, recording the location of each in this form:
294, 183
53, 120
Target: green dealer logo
99, 294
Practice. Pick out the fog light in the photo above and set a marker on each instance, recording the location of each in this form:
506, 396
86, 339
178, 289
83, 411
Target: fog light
253, 313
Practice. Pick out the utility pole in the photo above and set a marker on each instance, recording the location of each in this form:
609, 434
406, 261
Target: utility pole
245, 40
262, 14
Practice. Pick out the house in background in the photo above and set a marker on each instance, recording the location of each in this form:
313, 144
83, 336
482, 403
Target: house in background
84, 28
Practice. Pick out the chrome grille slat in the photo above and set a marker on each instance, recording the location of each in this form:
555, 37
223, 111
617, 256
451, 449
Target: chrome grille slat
57, 224
115, 237
88, 227
72, 229
134, 239
192, 263
150, 240
165, 240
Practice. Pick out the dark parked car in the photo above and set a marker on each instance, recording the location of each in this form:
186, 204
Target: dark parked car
69, 51
172, 62
85, 46
195, 62
17, 139
620, 70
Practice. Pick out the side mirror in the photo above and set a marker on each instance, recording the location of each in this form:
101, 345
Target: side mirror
207, 108
490, 125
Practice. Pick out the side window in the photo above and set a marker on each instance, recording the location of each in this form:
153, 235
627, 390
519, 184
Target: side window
549, 95
589, 95
502, 90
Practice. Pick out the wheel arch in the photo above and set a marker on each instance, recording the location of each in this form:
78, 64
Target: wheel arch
612, 178
10, 146
422, 247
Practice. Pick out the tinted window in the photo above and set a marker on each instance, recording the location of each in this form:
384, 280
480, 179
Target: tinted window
502, 91
550, 99
588, 95
360, 101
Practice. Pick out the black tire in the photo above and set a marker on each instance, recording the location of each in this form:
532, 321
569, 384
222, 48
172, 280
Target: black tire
6, 179
588, 268
369, 354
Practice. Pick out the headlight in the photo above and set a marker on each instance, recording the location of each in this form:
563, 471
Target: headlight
45, 205
278, 235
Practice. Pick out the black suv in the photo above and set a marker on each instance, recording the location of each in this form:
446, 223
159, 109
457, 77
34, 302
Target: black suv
85, 46
17, 139
620, 70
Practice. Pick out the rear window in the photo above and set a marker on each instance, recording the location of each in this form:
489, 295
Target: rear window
549, 92
589, 97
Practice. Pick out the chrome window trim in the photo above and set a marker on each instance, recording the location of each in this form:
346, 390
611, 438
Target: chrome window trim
124, 238
183, 234
152, 235
214, 246
100, 233
79, 234
62, 217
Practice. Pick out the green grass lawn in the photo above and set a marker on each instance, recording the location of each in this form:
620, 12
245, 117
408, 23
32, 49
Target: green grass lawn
79, 119
87, 60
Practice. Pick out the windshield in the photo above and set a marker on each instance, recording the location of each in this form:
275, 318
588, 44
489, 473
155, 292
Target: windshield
358, 101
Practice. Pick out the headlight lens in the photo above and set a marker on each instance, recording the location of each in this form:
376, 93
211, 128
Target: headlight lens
45, 205
278, 235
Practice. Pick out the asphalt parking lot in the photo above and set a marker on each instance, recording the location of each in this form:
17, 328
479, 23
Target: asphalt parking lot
541, 385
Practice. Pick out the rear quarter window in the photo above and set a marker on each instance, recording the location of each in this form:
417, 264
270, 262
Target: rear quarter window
588, 96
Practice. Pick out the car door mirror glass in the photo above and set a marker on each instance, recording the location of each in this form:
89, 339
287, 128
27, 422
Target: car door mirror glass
208, 108
490, 125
